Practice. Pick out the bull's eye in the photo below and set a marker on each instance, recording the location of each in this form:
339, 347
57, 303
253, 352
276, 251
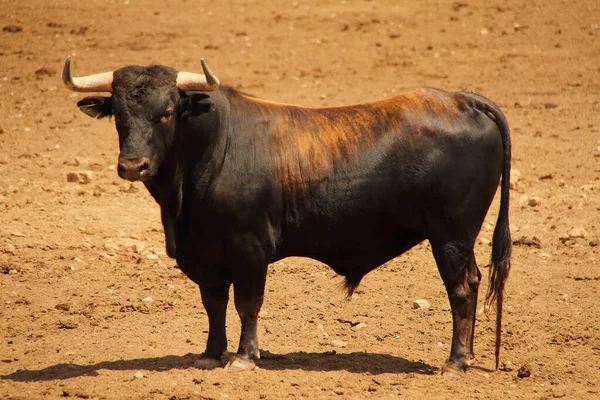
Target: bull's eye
166, 116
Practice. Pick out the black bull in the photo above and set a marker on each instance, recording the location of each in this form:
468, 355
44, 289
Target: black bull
244, 182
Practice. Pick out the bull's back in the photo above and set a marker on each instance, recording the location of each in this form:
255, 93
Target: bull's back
375, 172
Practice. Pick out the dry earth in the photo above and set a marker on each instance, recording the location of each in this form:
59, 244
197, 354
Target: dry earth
79, 260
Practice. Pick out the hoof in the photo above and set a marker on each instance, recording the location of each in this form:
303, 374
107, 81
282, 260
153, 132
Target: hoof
237, 363
449, 371
205, 362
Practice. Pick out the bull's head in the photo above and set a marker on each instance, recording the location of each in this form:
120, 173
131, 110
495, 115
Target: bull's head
146, 103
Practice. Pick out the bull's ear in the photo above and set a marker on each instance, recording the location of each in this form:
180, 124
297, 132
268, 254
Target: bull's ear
96, 106
196, 104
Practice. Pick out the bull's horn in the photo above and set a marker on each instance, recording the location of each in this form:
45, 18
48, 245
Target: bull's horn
191, 81
90, 83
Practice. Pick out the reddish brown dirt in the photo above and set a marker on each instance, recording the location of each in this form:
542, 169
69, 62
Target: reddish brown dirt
76, 259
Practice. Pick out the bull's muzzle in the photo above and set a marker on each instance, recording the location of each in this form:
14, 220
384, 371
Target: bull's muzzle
133, 169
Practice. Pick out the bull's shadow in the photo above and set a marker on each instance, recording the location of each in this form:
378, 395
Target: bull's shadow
328, 361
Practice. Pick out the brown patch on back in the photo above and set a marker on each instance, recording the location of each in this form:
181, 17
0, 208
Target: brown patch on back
309, 144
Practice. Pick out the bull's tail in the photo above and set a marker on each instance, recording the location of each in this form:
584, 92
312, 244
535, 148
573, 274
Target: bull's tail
501, 244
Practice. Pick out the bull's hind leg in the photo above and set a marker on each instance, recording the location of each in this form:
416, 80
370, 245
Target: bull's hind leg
458, 269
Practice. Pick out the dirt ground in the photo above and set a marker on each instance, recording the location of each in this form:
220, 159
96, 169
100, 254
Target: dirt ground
92, 308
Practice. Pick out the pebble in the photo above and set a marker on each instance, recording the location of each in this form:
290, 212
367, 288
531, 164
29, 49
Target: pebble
421, 304
152, 257
147, 299
82, 162
9, 248
564, 297
359, 326
82, 177
321, 330
338, 343
485, 241
138, 375
577, 233
111, 248
523, 200
534, 202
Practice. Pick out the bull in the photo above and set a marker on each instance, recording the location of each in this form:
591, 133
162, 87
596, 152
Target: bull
243, 182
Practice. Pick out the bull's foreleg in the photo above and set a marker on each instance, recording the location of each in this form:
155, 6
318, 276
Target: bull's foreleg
249, 279
458, 269
214, 299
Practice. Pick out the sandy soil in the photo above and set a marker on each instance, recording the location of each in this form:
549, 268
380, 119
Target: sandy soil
80, 260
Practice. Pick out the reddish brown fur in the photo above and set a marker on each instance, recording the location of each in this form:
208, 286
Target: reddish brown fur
309, 143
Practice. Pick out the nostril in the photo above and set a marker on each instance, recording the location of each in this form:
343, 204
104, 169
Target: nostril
143, 167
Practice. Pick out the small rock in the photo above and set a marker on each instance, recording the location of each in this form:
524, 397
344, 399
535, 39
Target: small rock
139, 247
321, 330
485, 241
82, 177
12, 29
534, 202
63, 307
524, 371
564, 297
152, 257
111, 248
529, 242
523, 200
138, 375
484, 31
359, 326
338, 343
577, 233
9, 248
82, 162
421, 304
147, 299
44, 71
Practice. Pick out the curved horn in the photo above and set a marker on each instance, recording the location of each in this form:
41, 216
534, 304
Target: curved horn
90, 83
191, 81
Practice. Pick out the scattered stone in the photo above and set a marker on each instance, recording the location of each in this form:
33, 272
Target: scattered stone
485, 241
82, 162
9, 248
111, 248
147, 299
67, 325
321, 330
152, 257
523, 200
17, 234
138, 375
82, 177
338, 343
139, 248
44, 71
524, 371
359, 326
484, 31
534, 202
12, 29
421, 304
529, 242
577, 233
564, 297
545, 177
63, 307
